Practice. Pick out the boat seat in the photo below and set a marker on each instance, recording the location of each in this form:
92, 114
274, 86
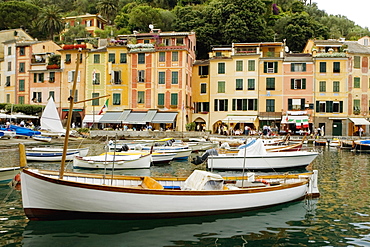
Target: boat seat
150, 183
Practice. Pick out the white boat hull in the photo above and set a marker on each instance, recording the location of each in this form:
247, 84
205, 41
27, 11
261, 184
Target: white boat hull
49, 198
275, 160
53, 154
8, 173
117, 163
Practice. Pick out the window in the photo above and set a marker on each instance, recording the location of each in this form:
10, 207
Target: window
270, 105
116, 99
116, 77
270, 83
52, 94
161, 77
37, 97
179, 41
96, 58
329, 106
356, 105
239, 84
166, 42
175, 56
221, 104
21, 100
221, 68
337, 107
244, 105
174, 97
38, 77
239, 65
218, 54
141, 75
75, 98
9, 50
251, 65
162, 56
161, 99
251, 84
296, 104
336, 67
95, 101
356, 63
9, 66
68, 58
298, 67
270, 67
141, 58
356, 82
203, 88
298, 84
21, 67
7, 83
7, 98
203, 71
322, 86
175, 77
336, 87
21, 85
51, 76
123, 57
96, 79
22, 51
112, 57
322, 67
201, 107
140, 97
221, 87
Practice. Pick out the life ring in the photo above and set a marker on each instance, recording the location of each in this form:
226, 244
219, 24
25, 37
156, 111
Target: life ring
263, 181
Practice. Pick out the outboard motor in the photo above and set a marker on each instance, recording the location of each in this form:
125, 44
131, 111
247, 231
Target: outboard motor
200, 159
124, 148
138, 147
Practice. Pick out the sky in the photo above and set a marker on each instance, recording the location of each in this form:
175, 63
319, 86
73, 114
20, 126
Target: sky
354, 10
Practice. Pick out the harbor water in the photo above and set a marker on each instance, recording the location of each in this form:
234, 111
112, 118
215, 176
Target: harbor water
339, 217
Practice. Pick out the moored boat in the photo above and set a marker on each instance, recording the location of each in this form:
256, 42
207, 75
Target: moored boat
361, 145
116, 162
53, 153
8, 173
42, 138
156, 157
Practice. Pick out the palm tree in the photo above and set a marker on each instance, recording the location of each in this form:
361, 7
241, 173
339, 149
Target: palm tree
108, 9
51, 21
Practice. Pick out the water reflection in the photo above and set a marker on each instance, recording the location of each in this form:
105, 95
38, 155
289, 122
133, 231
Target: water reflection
263, 225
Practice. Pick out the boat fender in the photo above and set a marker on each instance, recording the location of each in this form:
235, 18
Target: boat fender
16, 182
263, 181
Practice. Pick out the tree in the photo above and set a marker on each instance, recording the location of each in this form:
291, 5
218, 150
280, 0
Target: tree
108, 9
141, 16
51, 21
15, 14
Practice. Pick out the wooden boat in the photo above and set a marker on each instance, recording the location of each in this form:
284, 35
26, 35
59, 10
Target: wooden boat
285, 148
361, 145
255, 156
8, 173
54, 154
116, 162
42, 138
156, 157
320, 142
346, 144
7, 133
93, 196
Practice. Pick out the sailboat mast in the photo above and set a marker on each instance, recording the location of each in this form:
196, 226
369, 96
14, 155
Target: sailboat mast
69, 119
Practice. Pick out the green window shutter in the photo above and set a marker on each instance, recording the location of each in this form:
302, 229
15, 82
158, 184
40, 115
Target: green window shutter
234, 104
340, 106
264, 67
290, 104
292, 67
303, 83
304, 67
255, 105
245, 104
275, 67
317, 106
291, 83
302, 104
226, 104
34, 77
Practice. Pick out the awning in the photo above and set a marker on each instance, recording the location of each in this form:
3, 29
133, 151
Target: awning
164, 117
22, 116
269, 118
239, 119
294, 119
111, 117
92, 118
135, 118
359, 121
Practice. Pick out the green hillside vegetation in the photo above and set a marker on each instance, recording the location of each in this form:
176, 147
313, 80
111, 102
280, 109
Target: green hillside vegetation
216, 22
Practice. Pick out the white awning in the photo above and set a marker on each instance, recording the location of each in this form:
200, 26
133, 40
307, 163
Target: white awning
269, 118
294, 119
359, 121
239, 119
92, 118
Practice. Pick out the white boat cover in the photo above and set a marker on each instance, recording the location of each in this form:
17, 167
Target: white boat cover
110, 158
255, 147
202, 180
